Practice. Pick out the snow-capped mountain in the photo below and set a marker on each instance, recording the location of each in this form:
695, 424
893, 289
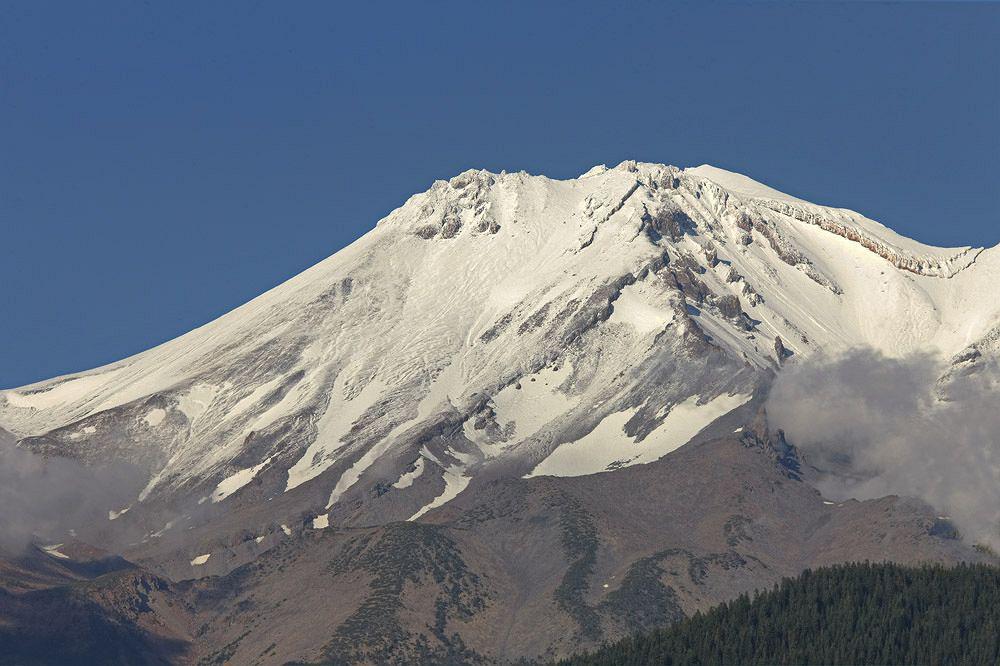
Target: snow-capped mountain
505, 325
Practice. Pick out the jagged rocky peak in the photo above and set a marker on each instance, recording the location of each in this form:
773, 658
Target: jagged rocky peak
478, 199
475, 200
460, 202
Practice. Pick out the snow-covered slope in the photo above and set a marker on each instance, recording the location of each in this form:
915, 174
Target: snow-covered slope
509, 324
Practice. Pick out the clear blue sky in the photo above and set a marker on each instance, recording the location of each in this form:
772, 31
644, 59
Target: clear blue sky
161, 163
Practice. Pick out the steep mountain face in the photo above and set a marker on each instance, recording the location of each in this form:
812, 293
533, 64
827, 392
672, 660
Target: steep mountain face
495, 332
526, 312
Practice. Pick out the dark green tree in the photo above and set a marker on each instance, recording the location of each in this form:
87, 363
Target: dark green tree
850, 614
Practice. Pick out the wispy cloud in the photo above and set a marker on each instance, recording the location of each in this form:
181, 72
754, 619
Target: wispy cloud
45, 498
891, 426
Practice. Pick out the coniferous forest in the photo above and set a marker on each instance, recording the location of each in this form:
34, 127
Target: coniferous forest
848, 614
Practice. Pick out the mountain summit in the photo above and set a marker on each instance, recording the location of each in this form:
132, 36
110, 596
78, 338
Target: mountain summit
508, 324
517, 402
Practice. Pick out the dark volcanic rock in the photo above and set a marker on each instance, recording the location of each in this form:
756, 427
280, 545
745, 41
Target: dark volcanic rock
103, 611
546, 566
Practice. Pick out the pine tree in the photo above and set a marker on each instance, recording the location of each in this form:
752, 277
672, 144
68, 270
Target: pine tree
848, 614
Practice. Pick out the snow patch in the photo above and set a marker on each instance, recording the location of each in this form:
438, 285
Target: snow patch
607, 446
234, 482
154, 417
294, 398
537, 402
333, 426
61, 393
407, 478
201, 559
455, 482
321, 522
55, 552
640, 308
197, 400
255, 396
442, 388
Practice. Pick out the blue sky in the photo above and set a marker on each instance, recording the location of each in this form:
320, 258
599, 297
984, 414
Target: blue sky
161, 163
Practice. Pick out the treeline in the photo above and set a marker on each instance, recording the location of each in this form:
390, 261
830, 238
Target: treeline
849, 614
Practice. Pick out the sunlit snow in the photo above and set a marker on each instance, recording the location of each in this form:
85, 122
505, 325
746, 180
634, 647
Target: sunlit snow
607, 445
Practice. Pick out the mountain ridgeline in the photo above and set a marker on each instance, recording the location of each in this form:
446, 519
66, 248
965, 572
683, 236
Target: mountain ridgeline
519, 418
